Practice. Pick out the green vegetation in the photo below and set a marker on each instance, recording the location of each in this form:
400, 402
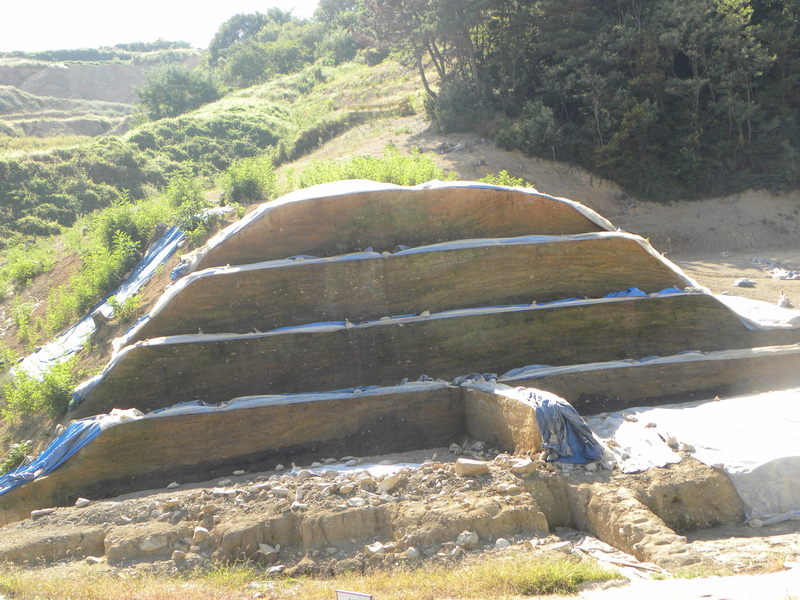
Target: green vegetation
15, 455
668, 98
125, 311
392, 167
492, 578
249, 180
503, 178
173, 90
25, 396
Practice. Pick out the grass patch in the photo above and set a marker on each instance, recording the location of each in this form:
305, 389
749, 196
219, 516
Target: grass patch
24, 395
393, 167
491, 578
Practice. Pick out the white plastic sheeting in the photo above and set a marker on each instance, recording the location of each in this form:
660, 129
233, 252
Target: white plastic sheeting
757, 314
754, 438
538, 371
73, 338
356, 186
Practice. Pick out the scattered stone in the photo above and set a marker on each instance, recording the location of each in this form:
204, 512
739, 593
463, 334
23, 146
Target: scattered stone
502, 543
199, 535
304, 474
347, 488
466, 467
224, 482
686, 447
390, 482
35, 514
412, 553
743, 282
276, 569
153, 543
755, 523
523, 466
173, 485
374, 549
591, 467
297, 506
467, 540
356, 501
351, 463
281, 491
95, 560
455, 449
268, 553
279, 467
329, 461
239, 472
82, 503
315, 464
178, 556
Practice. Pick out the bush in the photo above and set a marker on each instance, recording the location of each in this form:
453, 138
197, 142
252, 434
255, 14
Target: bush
32, 225
458, 107
25, 261
249, 180
16, 455
504, 178
26, 396
174, 90
126, 310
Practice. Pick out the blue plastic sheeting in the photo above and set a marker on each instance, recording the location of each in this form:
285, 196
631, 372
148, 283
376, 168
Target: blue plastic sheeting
75, 437
565, 435
75, 337
80, 433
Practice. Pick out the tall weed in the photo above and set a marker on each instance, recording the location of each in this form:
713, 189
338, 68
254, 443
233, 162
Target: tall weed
249, 180
393, 167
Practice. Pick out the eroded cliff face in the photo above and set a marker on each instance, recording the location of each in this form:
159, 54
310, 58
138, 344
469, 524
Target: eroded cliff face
112, 82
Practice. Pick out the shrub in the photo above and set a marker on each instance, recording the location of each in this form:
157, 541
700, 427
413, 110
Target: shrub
458, 107
16, 455
126, 310
249, 180
183, 188
25, 395
32, 225
25, 261
174, 89
504, 178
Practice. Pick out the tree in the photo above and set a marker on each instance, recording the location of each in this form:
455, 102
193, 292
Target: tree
174, 89
238, 28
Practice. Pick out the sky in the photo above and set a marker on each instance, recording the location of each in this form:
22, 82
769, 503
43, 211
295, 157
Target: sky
32, 25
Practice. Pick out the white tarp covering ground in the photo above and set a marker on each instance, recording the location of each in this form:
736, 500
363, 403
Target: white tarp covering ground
755, 439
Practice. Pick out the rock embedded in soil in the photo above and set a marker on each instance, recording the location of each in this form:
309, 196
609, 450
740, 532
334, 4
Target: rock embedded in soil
467, 467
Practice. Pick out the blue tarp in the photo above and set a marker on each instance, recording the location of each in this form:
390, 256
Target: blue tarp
565, 435
75, 337
75, 437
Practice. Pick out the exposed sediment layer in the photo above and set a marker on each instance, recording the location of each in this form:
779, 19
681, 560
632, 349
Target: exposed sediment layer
193, 443
350, 216
359, 287
215, 367
615, 385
